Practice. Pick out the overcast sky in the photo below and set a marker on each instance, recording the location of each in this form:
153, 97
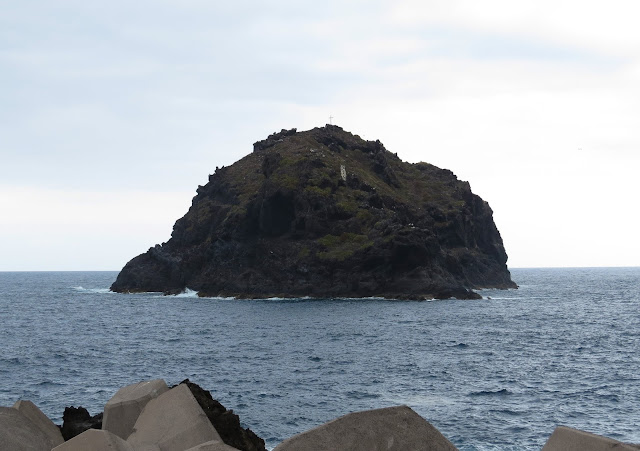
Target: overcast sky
112, 113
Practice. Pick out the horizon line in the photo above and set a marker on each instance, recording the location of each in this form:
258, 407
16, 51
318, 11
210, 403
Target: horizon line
509, 268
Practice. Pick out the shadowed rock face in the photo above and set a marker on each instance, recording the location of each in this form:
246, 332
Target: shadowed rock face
284, 221
77, 420
226, 423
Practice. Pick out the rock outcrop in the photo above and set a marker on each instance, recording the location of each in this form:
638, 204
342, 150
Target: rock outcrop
324, 213
76, 420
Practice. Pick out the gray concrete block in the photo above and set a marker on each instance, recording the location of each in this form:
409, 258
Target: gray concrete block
95, 440
19, 433
31, 411
173, 421
147, 447
124, 408
389, 429
568, 439
213, 445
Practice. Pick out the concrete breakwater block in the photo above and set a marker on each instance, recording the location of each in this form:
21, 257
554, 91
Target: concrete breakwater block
95, 440
568, 439
124, 408
173, 422
389, 429
213, 445
41, 421
19, 433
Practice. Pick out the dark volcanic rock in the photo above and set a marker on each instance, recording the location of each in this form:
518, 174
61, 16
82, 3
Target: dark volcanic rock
325, 213
225, 421
77, 420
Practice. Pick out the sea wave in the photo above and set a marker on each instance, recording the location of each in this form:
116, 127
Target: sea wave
502, 392
219, 298
358, 394
187, 293
92, 290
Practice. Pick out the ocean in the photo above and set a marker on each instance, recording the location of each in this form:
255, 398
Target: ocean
497, 373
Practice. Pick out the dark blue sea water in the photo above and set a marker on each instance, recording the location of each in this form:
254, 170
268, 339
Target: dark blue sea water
497, 373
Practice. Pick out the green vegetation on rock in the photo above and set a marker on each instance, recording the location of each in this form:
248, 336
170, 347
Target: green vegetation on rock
341, 247
285, 220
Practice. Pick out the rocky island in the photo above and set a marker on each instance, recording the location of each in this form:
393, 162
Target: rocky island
325, 213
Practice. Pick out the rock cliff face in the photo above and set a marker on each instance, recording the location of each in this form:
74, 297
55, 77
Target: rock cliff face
325, 213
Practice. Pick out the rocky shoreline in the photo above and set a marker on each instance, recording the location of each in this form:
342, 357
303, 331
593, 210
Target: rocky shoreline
150, 416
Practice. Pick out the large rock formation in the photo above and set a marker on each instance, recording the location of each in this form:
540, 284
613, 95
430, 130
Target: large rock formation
325, 213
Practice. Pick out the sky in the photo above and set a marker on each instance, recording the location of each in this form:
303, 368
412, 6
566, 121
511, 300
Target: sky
112, 113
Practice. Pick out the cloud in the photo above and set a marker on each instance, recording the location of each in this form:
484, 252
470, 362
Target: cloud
148, 97
609, 28
44, 229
